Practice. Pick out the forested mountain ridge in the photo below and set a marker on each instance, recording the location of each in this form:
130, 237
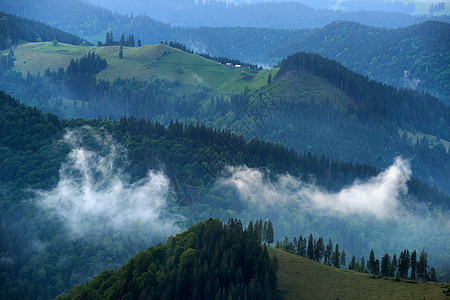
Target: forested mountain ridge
48, 258
14, 29
407, 47
355, 120
416, 56
171, 84
284, 15
211, 260
375, 101
265, 14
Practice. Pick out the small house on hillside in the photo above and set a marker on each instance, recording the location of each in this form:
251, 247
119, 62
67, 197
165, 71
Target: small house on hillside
228, 64
238, 66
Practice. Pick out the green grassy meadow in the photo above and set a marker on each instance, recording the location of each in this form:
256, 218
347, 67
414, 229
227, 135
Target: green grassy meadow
302, 278
144, 63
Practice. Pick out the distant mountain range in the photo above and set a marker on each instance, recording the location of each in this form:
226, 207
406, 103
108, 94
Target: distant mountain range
414, 56
187, 13
349, 117
204, 11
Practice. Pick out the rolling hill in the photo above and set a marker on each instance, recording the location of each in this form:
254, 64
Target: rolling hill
413, 56
343, 119
150, 273
145, 63
302, 278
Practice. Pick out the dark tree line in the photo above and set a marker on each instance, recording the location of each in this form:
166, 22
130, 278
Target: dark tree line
6, 61
129, 41
220, 59
13, 29
90, 64
437, 7
315, 250
376, 5
407, 266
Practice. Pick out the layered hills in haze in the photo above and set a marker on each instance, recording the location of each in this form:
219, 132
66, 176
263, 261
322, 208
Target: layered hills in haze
405, 57
113, 144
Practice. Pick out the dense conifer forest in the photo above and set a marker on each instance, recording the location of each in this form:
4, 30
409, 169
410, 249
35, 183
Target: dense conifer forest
408, 265
32, 153
211, 260
14, 29
385, 56
96, 168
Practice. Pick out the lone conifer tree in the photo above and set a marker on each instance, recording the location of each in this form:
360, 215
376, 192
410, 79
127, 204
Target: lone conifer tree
336, 257
422, 266
270, 233
413, 265
371, 265
310, 247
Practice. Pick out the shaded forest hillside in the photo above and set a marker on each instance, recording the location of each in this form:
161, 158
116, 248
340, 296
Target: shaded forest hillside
392, 56
372, 127
14, 29
416, 56
37, 152
210, 260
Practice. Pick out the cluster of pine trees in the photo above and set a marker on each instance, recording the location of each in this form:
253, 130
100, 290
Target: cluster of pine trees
78, 79
6, 61
89, 64
129, 41
406, 266
315, 250
209, 261
437, 7
262, 231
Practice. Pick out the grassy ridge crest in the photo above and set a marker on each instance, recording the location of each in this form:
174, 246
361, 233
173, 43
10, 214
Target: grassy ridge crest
302, 278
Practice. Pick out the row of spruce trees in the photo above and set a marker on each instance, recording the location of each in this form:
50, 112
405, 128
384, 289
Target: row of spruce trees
406, 266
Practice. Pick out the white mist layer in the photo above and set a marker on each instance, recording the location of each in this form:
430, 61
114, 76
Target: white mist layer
378, 197
93, 194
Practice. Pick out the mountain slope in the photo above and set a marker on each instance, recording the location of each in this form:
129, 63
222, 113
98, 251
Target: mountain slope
66, 245
146, 63
406, 50
332, 111
204, 251
415, 56
302, 278
209, 260
352, 119
14, 29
